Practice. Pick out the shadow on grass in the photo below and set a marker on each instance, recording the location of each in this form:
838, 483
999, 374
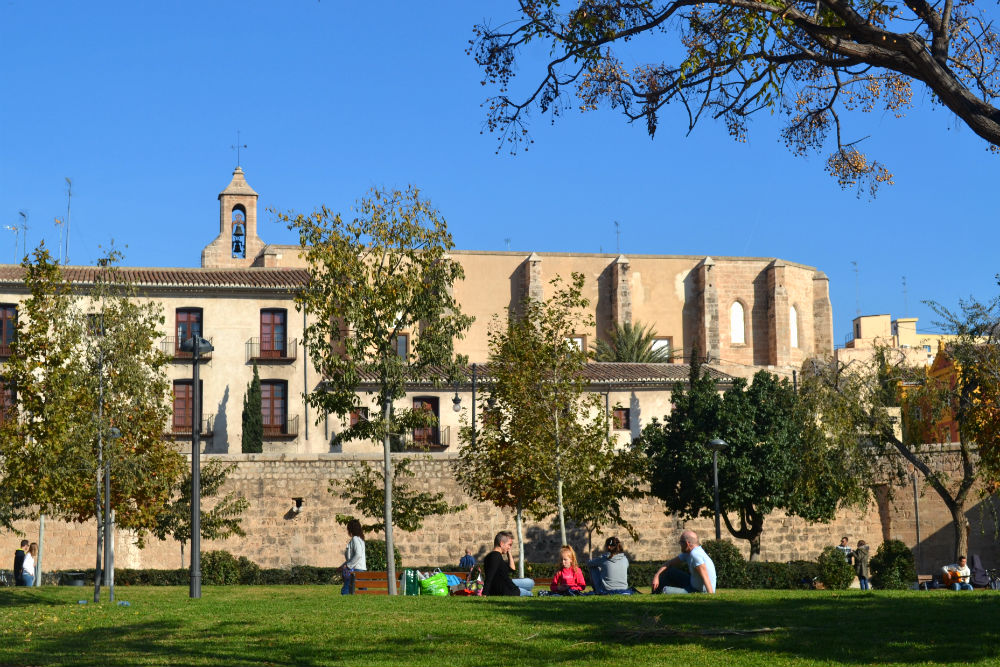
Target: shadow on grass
25, 597
824, 627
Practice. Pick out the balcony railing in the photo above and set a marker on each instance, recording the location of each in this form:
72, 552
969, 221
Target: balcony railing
269, 348
180, 427
423, 440
4, 350
289, 429
171, 347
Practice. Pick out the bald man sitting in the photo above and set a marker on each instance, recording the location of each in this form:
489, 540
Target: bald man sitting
702, 576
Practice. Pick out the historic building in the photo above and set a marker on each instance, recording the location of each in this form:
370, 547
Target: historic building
740, 314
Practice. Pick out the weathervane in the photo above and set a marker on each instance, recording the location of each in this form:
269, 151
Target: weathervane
237, 147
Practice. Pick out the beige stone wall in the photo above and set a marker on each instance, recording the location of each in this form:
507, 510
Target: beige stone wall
278, 537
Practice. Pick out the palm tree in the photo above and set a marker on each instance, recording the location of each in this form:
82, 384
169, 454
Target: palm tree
628, 343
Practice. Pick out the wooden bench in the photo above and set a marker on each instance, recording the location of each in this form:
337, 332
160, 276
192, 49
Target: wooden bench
376, 583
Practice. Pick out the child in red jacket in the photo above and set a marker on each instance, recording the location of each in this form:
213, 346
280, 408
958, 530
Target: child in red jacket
569, 580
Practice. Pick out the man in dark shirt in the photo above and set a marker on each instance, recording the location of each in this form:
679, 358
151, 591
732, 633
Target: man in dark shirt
497, 567
19, 564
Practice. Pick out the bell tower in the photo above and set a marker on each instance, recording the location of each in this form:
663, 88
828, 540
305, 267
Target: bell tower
237, 243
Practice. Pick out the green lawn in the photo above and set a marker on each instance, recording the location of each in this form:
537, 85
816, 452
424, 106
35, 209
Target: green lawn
314, 625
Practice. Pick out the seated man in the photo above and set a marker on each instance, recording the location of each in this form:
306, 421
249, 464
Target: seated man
961, 569
497, 567
702, 577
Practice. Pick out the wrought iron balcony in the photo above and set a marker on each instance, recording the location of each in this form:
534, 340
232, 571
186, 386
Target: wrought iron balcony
287, 429
171, 347
269, 348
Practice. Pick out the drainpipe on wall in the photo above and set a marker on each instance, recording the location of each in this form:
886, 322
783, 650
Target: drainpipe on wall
305, 375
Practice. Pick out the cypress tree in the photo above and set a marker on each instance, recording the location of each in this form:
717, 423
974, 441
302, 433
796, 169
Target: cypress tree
253, 421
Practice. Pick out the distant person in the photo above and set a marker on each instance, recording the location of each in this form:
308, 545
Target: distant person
860, 556
845, 548
354, 555
702, 570
962, 572
609, 571
468, 561
28, 565
569, 579
497, 567
19, 563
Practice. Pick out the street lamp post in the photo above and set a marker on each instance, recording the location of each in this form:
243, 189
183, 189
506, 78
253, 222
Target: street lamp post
197, 346
717, 446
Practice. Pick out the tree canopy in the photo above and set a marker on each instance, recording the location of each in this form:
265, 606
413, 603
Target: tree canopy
380, 307
74, 346
777, 456
815, 62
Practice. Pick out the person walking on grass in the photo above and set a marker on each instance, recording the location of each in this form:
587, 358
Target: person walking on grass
702, 570
497, 567
354, 555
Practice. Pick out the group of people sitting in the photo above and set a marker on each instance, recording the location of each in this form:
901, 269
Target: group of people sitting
608, 572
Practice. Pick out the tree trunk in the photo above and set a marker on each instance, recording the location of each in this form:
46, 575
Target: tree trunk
390, 562
755, 547
562, 514
519, 521
961, 527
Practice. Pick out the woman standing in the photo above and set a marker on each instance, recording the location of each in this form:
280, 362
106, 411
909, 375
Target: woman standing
28, 567
354, 555
861, 564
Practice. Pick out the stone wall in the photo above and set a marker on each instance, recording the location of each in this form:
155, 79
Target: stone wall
276, 536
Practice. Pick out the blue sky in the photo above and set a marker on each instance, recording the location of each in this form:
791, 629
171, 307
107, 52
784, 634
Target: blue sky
139, 103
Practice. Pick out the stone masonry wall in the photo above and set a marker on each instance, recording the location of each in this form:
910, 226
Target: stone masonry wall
276, 536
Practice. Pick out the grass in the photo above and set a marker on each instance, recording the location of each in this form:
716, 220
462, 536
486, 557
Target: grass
314, 625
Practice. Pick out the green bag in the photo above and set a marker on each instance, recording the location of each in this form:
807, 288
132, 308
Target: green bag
436, 584
409, 582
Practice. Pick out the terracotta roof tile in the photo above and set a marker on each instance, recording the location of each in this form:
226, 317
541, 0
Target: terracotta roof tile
180, 277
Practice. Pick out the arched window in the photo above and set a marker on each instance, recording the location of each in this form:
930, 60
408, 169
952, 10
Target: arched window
239, 231
737, 328
793, 325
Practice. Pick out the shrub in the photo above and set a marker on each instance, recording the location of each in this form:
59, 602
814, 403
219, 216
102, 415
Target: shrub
249, 571
730, 565
834, 570
375, 556
892, 566
770, 575
804, 572
219, 568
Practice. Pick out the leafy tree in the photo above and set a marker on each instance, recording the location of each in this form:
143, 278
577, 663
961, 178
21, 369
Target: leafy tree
862, 403
814, 62
364, 491
777, 458
218, 523
632, 343
544, 445
72, 349
253, 420
384, 274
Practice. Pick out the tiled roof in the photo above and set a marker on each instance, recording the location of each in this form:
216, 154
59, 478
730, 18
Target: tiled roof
179, 277
599, 373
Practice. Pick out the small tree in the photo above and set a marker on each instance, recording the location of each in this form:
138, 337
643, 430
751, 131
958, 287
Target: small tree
777, 457
364, 491
218, 523
253, 420
380, 304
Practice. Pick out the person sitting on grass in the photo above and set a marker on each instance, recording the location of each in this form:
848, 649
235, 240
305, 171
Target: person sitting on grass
497, 567
569, 579
702, 577
609, 571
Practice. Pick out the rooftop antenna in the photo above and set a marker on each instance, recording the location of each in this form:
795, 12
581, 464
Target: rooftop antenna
906, 300
69, 199
618, 237
237, 147
857, 289
24, 230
